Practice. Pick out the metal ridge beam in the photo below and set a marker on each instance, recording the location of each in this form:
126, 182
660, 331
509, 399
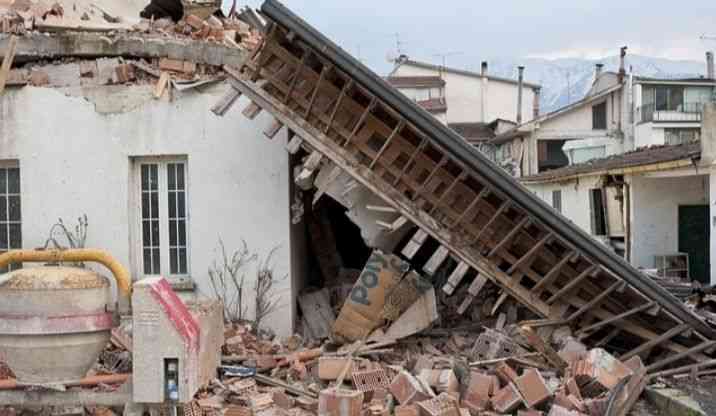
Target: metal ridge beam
471, 158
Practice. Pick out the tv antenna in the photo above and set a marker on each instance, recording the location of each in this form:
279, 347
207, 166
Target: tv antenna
446, 55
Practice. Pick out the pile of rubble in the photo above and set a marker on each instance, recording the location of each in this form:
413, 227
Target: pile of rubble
457, 375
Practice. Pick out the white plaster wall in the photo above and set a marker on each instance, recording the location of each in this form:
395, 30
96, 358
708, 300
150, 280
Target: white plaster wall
654, 213
580, 119
575, 198
74, 160
464, 97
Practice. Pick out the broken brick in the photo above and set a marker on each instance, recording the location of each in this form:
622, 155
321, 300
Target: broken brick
124, 73
573, 388
479, 390
442, 380
596, 407
195, 22
370, 380
507, 399
442, 405
598, 372
176, 65
39, 77
407, 410
307, 403
568, 401
506, 373
533, 388
557, 410
333, 402
282, 400
329, 368
265, 362
530, 412
407, 389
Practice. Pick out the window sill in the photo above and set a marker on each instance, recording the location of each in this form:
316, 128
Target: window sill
185, 284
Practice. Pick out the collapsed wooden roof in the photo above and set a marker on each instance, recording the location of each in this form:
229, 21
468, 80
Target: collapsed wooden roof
484, 219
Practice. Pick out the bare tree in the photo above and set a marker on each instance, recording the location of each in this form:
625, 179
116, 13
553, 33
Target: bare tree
266, 302
227, 280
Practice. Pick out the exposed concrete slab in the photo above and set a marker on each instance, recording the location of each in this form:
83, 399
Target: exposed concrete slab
90, 45
673, 402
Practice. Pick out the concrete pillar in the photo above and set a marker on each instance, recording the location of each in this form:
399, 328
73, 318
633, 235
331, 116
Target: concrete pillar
520, 81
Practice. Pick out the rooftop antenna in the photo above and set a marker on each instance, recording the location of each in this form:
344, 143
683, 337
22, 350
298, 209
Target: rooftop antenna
444, 57
398, 44
706, 37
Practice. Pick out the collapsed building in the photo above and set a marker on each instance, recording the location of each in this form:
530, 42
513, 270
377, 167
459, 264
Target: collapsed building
365, 180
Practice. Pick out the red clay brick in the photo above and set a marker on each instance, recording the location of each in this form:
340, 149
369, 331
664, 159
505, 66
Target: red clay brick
507, 399
573, 388
125, 73
506, 373
533, 388
598, 372
530, 412
406, 389
442, 405
407, 410
332, 402
568, 401
478, 392
195, 22
557, 410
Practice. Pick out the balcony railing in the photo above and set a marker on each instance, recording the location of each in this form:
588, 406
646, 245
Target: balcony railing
682, 112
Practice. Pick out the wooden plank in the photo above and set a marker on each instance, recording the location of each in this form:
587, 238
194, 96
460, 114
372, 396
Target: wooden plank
381, 208
503, 207
654, 342
676, 357
573, 283
316, 308
226, 102
296, 76
436, 260
483, 193
459, 178
390, 138
162, 85
317, 88
272, 130
410, 161
474, 290
544, 348
294, 144
415, 243
551, 275
8, 58
342, 95
456, 277
251, 111
510, 236
584, 332
529, 256
361, 120
596, 301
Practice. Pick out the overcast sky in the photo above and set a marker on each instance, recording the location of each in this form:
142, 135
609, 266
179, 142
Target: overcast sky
471, 30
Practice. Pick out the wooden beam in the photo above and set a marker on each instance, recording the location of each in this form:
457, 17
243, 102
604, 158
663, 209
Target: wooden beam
531, 253
226, 102
272, 130
573, 283
510, 236
474, 290
361, 120
583, 332
436, 260
676, 357
9, 57
596, 301
656, 341
410, 161
251, 111
500, 301
505, 205
455, 278
544, 348
483, 193
294, 145
339, 101
415, 243
459, 178
390, 138
552, 274
297, 75
419, 192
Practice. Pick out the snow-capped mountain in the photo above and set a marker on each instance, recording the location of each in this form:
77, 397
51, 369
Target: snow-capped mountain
567, 80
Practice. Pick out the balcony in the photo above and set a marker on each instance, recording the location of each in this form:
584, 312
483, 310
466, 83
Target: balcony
686, 112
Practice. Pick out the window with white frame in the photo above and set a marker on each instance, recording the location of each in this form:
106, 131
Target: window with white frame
163, 217
10, 215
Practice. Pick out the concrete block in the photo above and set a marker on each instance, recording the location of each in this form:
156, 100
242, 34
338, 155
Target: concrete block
507, 399
533, 388
338, 402
407, 389
442, 405
673, 402
371, 380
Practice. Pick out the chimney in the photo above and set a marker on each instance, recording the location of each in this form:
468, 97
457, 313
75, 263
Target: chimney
622, 69
483, 92
535, 105
710, 65
521, 82
598, 70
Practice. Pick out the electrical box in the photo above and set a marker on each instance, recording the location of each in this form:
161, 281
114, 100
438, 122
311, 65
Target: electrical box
176, 349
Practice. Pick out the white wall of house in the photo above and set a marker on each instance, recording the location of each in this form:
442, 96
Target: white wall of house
464, 96
575, 198
654, 213
75, 160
